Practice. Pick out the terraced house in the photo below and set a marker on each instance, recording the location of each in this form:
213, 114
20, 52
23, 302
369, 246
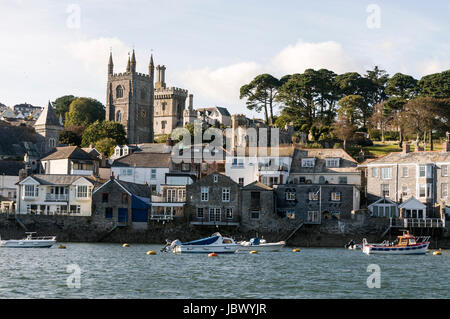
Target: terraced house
411, 185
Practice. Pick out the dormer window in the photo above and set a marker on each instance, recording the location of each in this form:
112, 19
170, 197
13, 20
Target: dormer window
332, 162
308, 162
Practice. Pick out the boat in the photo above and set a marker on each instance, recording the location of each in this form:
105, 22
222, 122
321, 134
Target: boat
352, 245
406, 244
29, 242
260, 245
216, 243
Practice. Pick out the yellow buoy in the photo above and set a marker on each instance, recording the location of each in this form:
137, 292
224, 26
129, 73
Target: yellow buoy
125, 245
151, 252
62, 247
438, 252
296, 250
428, 250
254, 252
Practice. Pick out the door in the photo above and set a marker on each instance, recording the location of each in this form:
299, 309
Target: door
123, 215
139, 215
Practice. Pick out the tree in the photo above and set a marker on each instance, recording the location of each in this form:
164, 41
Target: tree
402, 85
343, 129
70, 138
351, 107
260, 94
379, 78
106, 129
85, 111
62, 105
380, 118
435, 85
106, 146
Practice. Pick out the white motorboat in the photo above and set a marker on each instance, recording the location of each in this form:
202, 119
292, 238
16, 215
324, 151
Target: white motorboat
404, 245
29, 242
215, 244
260, 245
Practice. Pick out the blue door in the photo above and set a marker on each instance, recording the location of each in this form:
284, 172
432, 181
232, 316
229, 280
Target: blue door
139, 215
123, 215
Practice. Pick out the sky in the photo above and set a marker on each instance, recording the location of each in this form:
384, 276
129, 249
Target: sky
211, 47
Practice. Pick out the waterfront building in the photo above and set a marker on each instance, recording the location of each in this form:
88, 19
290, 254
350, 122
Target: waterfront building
213, 200
9, 176
70, 160
268, 165
214, 116
122, 203
143, 168
55, 195
258, 207
409, 185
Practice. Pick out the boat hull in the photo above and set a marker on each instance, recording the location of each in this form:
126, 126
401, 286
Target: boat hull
206, 249
262, 247
27, 243
389, 250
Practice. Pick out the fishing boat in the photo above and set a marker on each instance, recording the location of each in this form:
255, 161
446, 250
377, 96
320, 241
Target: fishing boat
29, 242
406, 244
260, 245
352, 245
215, 244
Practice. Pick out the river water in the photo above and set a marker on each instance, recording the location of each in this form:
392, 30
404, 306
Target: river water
112, 271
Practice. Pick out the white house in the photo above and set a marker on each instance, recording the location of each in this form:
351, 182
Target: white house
213, 115
9, 176
70, 160
143, 168
55, 195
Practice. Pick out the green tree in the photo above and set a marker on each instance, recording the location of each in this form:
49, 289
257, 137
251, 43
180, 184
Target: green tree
343, 129
351, 107
106, 146
70, 138
105, 129
261, 93
85, 111
62, 105
402, 85
435, 85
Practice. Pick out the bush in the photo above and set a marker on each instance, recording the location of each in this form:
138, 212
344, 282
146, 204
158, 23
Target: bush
391, 136
375, 135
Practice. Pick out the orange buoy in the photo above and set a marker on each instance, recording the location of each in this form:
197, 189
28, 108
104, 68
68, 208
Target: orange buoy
212, 255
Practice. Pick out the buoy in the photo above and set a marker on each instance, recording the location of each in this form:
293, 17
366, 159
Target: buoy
428, 250
254, 252
151, 252
296, 250
212, 255
62, 247
125, 245
438, 252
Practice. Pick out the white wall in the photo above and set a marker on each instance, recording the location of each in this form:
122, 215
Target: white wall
59, 166
142, 175
8, 185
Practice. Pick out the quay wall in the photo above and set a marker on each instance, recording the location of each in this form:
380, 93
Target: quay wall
331, 233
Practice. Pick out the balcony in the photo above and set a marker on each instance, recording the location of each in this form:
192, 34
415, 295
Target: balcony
56, 197
417, 222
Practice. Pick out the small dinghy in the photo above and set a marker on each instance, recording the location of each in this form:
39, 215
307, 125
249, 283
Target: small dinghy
260, 245
215, 244
29, 242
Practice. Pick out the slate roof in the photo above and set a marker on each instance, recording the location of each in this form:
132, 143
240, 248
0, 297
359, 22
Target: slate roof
141, 190
421, 157
62, 180
257, 186
11, 168
347, 164
143, 159
71, 152
48, 117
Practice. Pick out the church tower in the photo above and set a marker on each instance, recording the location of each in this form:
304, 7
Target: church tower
49, 127
129, 100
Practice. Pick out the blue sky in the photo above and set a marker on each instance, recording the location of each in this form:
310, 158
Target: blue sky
210, 47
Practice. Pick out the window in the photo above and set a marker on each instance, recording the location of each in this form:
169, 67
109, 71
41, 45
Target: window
404, 190
332, 162
241, 181
405, 171
374, 172
385, 190
200, 212
216, 178
386, 172
308, 162
254, 214
336, 196
82, 191
124, 198
290, 195
237, 162
185, 166
119, 91
226, 194
229, 213
163, 124
75, 209
302, 180
313, 196
313, 216
153, 173
119, 116
163, 106
444, 190
108, 212
444, 170
422, 190
342, 179
204, 194
255, 199
422, 170
214, 214
105, 197
31, 191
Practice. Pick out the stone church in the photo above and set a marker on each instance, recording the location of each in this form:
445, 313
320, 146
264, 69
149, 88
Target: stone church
147, 109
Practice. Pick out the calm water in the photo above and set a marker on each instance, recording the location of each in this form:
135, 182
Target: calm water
111, 271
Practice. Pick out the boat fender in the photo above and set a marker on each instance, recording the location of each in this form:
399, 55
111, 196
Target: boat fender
296, 250
151, 252
125, 245
62, 247
254, 252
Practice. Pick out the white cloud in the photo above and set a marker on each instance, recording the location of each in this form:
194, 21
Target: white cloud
434, 65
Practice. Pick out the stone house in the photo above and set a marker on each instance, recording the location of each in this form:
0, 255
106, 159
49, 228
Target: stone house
122, 203
55, 195
399, 177
70, 160
213, 200
257, 206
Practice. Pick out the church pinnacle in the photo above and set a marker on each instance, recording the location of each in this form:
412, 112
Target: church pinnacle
110, 64
133, 63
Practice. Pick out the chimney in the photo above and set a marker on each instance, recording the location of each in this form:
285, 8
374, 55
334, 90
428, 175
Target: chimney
191, 102
446, 146
23, 173
406, 148
111, 177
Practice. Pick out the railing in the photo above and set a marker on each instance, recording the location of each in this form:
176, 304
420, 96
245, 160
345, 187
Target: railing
417, 222
56, 197
163, 199
162, 216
